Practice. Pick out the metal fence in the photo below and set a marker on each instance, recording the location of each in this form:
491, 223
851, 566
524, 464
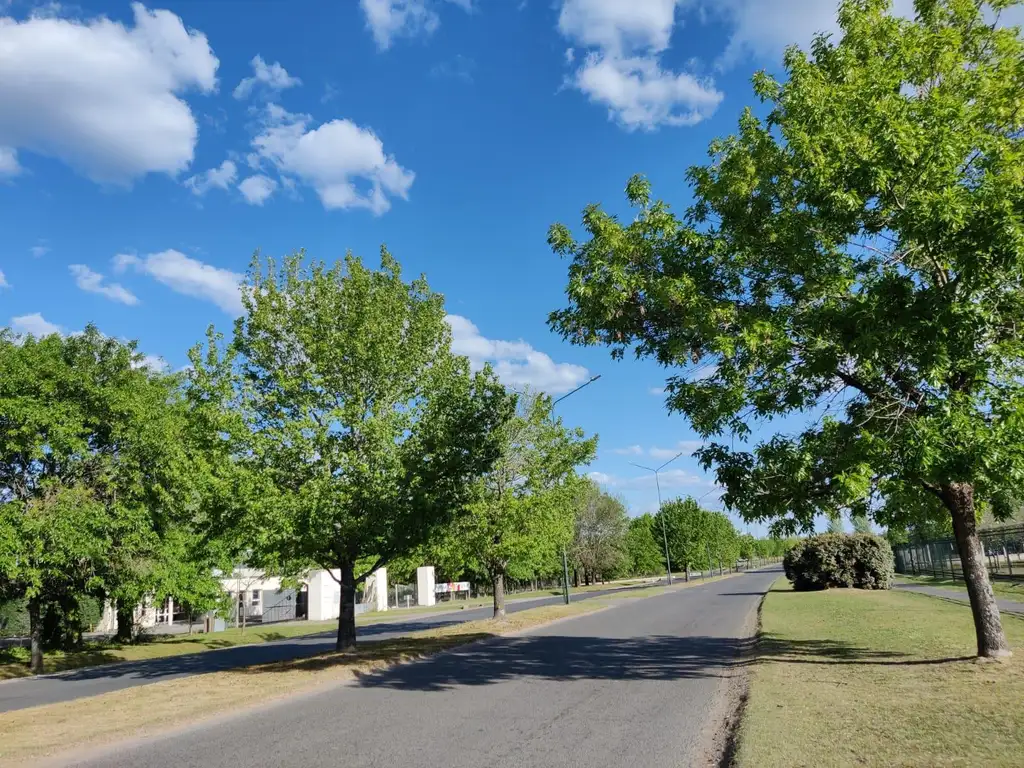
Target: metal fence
1004, 555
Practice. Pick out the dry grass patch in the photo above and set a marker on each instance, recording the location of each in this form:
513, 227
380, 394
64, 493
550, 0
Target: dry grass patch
42, 731
850, 677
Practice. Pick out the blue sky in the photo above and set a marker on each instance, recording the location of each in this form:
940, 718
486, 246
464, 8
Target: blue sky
147, 151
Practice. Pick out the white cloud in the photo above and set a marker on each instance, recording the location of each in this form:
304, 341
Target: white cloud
515, 362
685, 447
154, 363
389, 19
39, 250
3, 280
188, 276
622, 71
34, 324
256, 189
103, 97
221, 177
669, 479
633, 450
92, 282
640, 94
343, 162
657, 390
9, 162
269, 78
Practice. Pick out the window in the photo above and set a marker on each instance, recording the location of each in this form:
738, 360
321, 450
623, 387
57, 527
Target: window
255, 598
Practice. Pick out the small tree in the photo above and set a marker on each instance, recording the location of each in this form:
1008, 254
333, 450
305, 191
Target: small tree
859, 252
599, 538
361, 432
644, 553
523, 514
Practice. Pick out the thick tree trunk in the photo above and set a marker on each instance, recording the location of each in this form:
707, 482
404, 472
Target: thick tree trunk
347, 609
125, 622
35, 624
498, 587
959, 499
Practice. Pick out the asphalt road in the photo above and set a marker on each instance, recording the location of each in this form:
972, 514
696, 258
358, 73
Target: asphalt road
75, 684
634, 685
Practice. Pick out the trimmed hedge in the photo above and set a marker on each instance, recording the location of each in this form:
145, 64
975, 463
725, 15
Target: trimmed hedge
857, 560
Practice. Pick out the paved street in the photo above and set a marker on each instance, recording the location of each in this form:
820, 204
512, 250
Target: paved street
631, 686
1005, 606
64, 686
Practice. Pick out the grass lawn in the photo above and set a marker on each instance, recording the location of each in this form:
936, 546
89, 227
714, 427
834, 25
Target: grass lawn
1002, 589
38, 732
14, 661
858, 678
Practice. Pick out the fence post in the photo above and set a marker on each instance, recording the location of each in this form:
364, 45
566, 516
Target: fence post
1009, 565
952, 570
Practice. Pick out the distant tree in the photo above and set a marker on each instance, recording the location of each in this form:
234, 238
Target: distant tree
857, 250
601, 525
698, 538
360, 431
523, 513
835, 523
643, 546
860, 523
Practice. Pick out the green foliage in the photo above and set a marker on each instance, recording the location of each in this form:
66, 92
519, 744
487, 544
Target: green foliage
358, 432
860, 524
599, 542
857, 250
14, 618
698, 538
525, 507
840, 560
644, 552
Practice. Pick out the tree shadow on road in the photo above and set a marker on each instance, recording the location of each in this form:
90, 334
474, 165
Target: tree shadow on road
659, 658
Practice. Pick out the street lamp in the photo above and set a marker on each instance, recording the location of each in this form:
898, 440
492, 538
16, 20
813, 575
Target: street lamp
565, 560
657, 483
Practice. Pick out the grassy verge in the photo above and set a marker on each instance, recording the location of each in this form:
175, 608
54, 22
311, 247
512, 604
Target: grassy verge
1002, 589
14, 661
38, 732
849, 677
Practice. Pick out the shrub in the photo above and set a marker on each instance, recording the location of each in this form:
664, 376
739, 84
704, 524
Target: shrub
857, 560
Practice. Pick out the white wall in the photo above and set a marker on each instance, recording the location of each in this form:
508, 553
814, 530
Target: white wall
425, 585
324, 595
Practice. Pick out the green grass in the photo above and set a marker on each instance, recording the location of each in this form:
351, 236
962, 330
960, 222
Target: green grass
859, 678
1003, 589
14, 661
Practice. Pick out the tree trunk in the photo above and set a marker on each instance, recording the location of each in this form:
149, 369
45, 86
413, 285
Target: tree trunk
498, 587
347, 609
35, 624
125, 622
959, 499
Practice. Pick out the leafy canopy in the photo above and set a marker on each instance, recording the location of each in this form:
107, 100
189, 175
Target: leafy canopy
360, 432
857, 255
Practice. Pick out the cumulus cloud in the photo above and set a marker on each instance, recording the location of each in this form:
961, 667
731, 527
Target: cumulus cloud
269, 79
256, 189
685, 447
188, 276
632, 450
622, 69
34, 325
101, 96
3, 280
154, 363
221, 177
93, 282
343, 162
390, 19
516, 362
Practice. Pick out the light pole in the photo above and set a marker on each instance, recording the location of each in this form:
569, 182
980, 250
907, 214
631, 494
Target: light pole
657, 483
565, 560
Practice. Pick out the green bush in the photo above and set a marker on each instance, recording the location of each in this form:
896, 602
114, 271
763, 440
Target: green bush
857, 560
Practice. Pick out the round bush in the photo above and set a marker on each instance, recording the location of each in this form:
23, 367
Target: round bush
857, 560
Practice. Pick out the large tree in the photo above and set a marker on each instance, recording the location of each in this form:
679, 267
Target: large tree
600, 527
856, 252
95, 467
698, 538
523, 513
361, 432
644, 552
